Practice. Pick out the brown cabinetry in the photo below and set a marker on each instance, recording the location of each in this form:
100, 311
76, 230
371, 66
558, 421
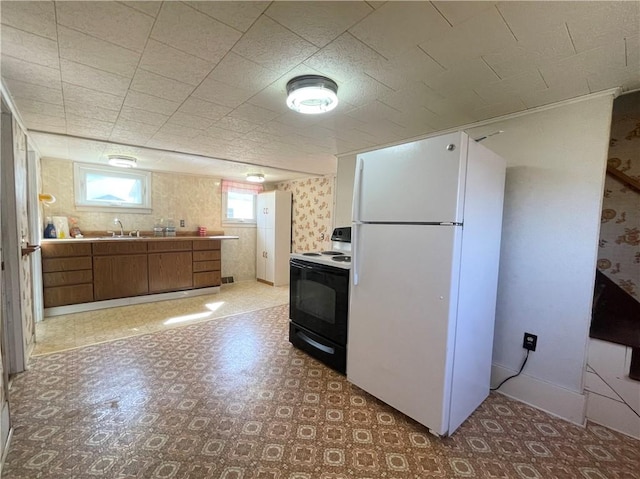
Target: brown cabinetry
206, 263
120, 269
170, 266
67, 274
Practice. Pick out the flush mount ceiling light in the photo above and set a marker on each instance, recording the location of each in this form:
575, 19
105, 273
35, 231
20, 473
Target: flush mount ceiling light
255, 177
122, 161
311, 94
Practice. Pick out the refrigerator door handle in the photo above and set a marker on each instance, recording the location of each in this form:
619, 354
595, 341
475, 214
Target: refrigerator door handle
355, 246
355, 211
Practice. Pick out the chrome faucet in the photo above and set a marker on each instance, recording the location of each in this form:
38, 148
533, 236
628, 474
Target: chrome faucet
116, 221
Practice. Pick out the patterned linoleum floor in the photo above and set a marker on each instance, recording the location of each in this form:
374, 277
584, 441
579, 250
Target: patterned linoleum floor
82, 329
231, 398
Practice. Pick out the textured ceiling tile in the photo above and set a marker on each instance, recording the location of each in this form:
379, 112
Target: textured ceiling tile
156, 85
507, 105
495, 92
35, 92
154, 104
29, 72
555, 44
171, 63
242, 73
610, 22
39, 121
398, 26
110, 21
23, 45
193, 32
413, 94
239, 15
361, 90
89, 127
203, 108
78, 94
132, 131
466, 75
190, 121
26, 105
150, 8
273, 46
221, 93
236, 124
626, 78
81, 48
345, 57
480, 35
318, 22
33, 17
143, 116
222, 134
372, 112
458, 12
88, 77
412, 65
253, 113
82, 110
175, 130
557, 93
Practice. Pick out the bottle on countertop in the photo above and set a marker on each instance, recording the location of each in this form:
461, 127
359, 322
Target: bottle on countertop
50, 230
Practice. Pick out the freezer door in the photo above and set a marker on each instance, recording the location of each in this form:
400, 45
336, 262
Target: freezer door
402, 317
422, 181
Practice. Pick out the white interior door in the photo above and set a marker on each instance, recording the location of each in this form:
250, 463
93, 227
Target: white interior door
401, 317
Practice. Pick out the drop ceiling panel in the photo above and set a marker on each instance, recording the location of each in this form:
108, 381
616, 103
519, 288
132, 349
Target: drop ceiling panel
110, 21
20, 44
143, 116
273, 46
150, 8
94, 79
33, 17
318, 22
412, 65
34, 106
236, 124
78, 94
253, 113
458, 12
142, 101
35, 92
159, 86
221, 93
604, 24
46, 122
83, 110
24, 71
89, 128
237, 71
239, 15
203, 108
405, 24
171, 63
93, 52
191, 31
190, 121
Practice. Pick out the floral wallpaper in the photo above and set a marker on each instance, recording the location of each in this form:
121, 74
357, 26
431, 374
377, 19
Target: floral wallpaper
619, 247
312, 221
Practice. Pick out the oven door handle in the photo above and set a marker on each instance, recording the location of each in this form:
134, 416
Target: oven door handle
315, 344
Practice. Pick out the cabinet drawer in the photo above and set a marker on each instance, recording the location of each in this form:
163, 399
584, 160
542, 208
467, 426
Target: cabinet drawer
66, 278
206, 266
53, 250
64, 295
120, 247
206, 255
199, 245
51, 265
209, 278
164, 245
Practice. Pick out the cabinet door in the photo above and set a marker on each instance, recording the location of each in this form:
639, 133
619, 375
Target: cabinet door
170, 271
261, 250
120, 276
266, 209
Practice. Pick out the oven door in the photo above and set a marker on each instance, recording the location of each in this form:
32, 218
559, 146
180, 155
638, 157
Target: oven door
319, 299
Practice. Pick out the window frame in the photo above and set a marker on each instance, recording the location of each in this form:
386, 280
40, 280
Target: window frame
254, 194
80, 172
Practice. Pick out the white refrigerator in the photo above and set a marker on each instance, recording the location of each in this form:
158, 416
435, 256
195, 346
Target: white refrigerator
427, 220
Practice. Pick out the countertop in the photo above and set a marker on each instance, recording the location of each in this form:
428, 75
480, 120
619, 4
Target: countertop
136, 238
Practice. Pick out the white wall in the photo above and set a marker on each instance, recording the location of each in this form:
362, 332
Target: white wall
344, 191
555, 174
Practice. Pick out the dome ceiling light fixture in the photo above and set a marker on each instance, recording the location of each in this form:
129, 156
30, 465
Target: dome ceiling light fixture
122, 161
312, 94
255, 177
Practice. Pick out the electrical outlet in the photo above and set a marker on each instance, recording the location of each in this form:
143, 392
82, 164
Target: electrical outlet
530, 341
182, 223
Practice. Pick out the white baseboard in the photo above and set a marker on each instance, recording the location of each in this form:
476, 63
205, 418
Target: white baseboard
555, 400
112, 303
6, 431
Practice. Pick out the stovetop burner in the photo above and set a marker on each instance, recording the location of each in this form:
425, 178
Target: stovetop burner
333, 253
311, 254
343, 258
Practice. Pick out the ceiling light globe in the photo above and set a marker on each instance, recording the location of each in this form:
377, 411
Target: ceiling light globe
312, 94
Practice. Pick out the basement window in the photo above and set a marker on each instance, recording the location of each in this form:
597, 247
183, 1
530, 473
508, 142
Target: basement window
112, 188
239, 202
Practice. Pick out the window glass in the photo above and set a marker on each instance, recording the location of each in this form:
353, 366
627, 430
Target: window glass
239, 202
111, 187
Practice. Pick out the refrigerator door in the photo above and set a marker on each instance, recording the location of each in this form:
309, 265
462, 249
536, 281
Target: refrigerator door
418, 182
402, 317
